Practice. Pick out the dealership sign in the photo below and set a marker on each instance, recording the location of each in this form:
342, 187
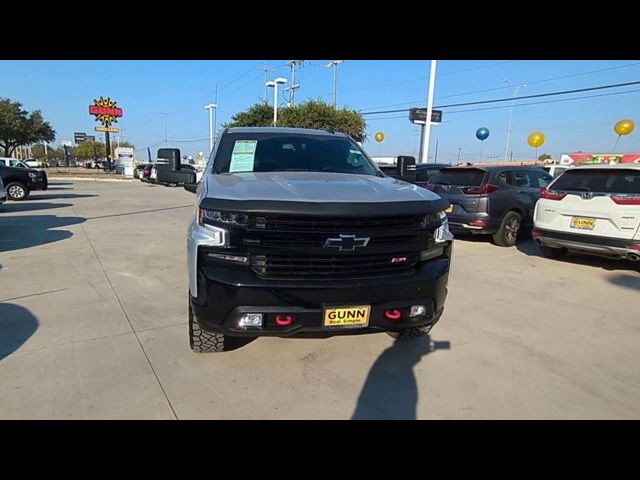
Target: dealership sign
599, 158
419, 116
107, 129
106, 111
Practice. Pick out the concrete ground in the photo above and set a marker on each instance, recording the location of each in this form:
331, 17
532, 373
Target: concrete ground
93, 313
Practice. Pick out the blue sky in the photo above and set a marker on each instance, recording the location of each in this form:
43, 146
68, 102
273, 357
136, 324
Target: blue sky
64, 89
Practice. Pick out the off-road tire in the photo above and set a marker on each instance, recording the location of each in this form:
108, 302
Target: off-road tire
202, 341
507, 234
411, 332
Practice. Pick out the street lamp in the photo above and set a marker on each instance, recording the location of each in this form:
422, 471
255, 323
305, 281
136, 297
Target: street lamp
274, 84
334, 64
212, 121
515, 92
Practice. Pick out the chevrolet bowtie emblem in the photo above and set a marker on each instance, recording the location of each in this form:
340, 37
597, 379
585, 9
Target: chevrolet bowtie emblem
346, 243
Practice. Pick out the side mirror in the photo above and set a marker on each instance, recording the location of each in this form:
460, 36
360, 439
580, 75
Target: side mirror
190, 184
170, 156
406, 169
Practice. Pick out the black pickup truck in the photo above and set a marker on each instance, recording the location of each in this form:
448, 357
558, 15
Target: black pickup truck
19, 182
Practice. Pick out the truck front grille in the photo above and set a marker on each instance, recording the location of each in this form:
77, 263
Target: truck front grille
344, 266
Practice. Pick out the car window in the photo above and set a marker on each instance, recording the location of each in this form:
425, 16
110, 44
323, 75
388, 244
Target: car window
504, 177
600, 181
543, 179
521, 179
17, 163
467, 177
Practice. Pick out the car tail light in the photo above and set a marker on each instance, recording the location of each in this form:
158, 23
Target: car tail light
626, 199
635, 247
429, 186
545, 193
536, 233
481, 190
479, 223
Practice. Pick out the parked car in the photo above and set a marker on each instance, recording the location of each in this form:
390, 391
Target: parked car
297, 233
33, 163
13, 162
490, 200
138, 171
592, 209
3, 192
20, 182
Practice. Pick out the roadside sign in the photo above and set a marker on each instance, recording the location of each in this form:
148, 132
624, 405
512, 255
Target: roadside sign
79, 137
107, 129
66, 143
419, 116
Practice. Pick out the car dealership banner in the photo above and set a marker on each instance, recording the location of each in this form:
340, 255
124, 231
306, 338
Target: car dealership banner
598, 158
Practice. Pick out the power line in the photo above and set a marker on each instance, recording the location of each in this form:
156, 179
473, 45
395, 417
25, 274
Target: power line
510, 86
509, 99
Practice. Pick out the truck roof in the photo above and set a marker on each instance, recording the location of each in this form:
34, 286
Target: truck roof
287, 130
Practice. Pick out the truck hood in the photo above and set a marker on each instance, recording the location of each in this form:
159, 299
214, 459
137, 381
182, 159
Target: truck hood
318, 194
313, 187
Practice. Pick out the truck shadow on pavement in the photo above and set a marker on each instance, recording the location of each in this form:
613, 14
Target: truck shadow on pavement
54, 196
625, 280
17, 324
24, 231
530, 248
13, 207
390, 391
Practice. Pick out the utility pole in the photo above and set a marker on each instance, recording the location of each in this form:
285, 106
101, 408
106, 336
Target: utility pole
515, 92
212, 109
459, 152
424, 150
435, 160
334, 64
294, 86
264, 68
165, 128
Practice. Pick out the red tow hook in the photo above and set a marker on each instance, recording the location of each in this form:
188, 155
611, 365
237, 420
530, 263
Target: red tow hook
284, 320
393, 314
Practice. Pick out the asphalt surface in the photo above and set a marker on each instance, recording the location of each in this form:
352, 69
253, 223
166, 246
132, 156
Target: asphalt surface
93, 324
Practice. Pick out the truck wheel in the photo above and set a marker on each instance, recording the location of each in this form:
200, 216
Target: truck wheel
549, 252
411, 332
202, 341
17, 191
507, 235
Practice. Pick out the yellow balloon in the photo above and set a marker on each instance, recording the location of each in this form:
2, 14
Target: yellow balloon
379, 137
624, 127
536, 139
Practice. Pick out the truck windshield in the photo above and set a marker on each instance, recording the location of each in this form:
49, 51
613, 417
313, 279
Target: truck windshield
278, 152
602, 180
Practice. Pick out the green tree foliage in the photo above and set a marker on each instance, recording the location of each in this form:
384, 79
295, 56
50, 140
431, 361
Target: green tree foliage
309, 114
90, 150
125, 144
19, 127
544, 156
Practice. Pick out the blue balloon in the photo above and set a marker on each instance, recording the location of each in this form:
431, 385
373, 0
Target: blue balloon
482, 134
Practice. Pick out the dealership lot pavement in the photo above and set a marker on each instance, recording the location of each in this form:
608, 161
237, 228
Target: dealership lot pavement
93, 302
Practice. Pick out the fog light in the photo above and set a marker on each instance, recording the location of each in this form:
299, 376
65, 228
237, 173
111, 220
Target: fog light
250, 320
418, 311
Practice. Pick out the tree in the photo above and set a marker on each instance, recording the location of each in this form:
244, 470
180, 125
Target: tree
126, 144
90, 150
19, 127
309, 114
544, 156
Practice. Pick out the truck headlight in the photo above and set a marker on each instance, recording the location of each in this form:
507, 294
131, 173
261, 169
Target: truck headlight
227, 218
442, 233
217, 237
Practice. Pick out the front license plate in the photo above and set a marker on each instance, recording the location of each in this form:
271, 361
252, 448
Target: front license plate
583, 223
449, 209
357, 316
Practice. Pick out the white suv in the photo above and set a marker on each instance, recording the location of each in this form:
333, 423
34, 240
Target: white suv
594, 209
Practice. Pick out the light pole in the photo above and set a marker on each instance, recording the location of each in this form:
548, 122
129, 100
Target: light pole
274, 84
212, 116
334, 64
515, 92
424, 148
